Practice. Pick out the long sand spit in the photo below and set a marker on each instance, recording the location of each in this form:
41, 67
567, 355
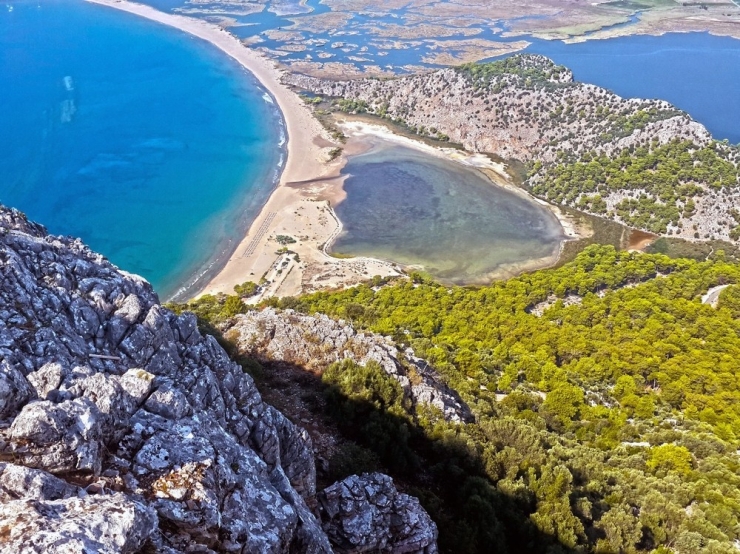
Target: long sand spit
301, 205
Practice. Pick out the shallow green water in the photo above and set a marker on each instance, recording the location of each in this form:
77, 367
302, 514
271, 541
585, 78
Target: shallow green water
414, 209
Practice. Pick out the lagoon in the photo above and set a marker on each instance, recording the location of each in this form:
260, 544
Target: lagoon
159, 151
421, 210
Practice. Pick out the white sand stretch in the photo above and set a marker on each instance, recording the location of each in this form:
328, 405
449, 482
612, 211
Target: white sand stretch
299, 206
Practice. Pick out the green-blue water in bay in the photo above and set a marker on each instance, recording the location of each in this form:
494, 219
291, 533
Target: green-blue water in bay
153, 146
416, 209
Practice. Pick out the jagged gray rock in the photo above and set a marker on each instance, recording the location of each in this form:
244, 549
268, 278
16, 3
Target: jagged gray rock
18, 482
41, 513
317, 341
103, 524
367, 514
100, 382
126, 427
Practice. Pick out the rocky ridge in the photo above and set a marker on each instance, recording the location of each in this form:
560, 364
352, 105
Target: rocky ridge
529, 109
316, 341
122, 427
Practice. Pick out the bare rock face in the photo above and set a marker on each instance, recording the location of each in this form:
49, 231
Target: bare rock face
123, 428
41, 513
103, 524
317, 341
18, 482
102, 387
367, 514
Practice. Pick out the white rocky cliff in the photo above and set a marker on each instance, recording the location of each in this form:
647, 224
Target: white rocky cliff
123, 429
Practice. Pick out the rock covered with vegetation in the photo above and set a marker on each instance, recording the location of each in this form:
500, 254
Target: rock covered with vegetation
523, 107
316, 342
122, 427
640, 162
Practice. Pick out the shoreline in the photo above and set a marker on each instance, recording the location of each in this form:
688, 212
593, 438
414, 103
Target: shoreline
204, 274
300, 205
648, 25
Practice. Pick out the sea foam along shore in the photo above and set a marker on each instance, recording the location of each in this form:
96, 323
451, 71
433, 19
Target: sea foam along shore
299, 206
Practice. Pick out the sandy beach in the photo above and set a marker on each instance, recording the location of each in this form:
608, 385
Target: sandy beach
285, 249
300, 205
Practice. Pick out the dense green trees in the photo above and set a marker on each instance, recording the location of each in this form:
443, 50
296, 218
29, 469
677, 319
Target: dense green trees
607, 399
246, 289
532, 70
369, 406
606, 396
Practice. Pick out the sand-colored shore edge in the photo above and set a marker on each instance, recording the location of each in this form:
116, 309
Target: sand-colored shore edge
299, 206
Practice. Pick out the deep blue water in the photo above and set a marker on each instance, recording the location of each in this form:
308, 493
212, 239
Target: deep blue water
152, 146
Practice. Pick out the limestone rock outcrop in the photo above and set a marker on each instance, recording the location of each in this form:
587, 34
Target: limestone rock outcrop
122, 427
520, 114
41, 513
316, 341
366, 514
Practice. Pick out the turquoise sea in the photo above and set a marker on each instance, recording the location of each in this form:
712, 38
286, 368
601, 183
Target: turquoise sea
153, 146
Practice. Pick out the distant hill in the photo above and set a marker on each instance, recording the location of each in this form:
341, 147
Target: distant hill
643, 163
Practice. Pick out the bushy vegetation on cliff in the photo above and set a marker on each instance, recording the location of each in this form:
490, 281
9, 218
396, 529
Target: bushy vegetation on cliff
607, 399
533, 70
660, 183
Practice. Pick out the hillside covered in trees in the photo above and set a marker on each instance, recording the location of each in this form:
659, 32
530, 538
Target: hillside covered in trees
606, 398
643, 163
